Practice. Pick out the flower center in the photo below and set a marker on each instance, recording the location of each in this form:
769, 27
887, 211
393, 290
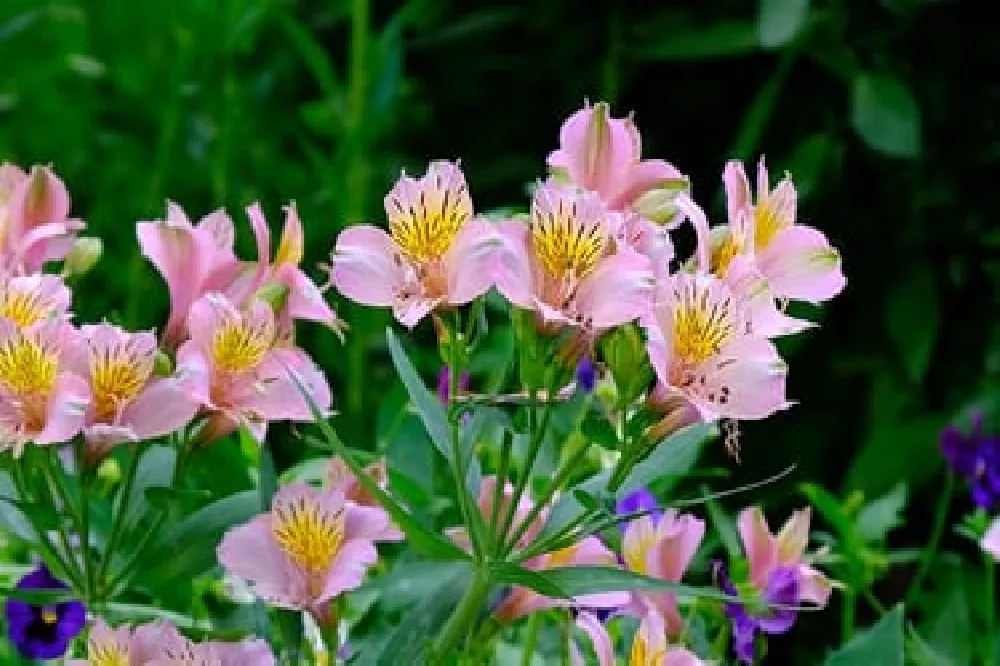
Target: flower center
23, 307
702, 327
27, 368
116, 379
310, 535
723, 254
425, 227
767, 224
238, 346
641, 655
566, 246
113, 654
635, 558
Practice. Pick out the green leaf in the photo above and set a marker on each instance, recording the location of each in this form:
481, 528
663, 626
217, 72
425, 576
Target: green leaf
268, 483
779, 21
724, 526
155, 470
512, 574
671, 459
912, 320
12, 520
427, 404
947, 624
885, 115
882, 515
576, 581
721, 39
879, 465
881, 645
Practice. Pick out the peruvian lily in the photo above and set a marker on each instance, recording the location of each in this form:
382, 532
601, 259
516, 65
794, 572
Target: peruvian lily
124, 645
797, 261
312, 546
565, 265
242, 372
130, 402
649, 645
29, 299
41, 400
436, 254
767, 552
302, 299
35, 226
661, 548
339, 477
171, 649
990, 542
703, 356
192, 259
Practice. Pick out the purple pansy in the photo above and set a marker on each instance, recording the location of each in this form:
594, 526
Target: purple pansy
43, 631
586, 375
976, 458
638, 500
783, 588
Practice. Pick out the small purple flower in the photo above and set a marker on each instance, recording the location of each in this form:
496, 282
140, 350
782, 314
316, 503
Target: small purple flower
444, 383
586, 375
976, 458
638, 500
43, 631
782, 590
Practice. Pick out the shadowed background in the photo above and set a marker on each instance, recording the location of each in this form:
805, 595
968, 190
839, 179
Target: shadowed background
222, 102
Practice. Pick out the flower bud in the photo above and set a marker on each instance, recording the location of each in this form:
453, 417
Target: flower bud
274, 294
84, 254
163, 366
659, 205
625, 355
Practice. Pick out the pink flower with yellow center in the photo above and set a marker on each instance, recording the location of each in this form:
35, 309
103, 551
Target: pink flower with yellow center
130, 402
649, 645
35, 226
767, 552
312, 546
41, 400
797, 261
242, 372
29, 299
566, 266
661, 548
436, 253
703, 355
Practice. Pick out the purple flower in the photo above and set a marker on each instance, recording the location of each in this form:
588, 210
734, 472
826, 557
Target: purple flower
638, 500
976, 458
783, 588
43, 631
444, 383
586, 375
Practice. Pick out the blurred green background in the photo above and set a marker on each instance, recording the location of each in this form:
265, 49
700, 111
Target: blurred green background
871, 106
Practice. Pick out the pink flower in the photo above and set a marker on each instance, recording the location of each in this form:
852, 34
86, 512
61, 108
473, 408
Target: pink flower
565, 265
312, 546
797, 260
662, 549
303, 300
436, 253
602, 154
242, 372
339, 477
130, 403
192, 259
767, 552
702, 354
29, 299
34, 219
487, 490
40, 400
991, 540
649, 645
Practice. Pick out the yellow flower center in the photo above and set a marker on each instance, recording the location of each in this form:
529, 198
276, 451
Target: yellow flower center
49, 616
723, 254
767, 224
702, 328
635, 558
641, 655
27, 368
115, 381
425, 229
113, 654
566, 248
238, 346
310, 535
24, 308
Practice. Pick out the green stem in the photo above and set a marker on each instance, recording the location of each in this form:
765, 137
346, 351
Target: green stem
117, 524
847, 616
991, 621
548, 545
941, 514
496, 537
85, 478
464, 617
531, 640
565, 635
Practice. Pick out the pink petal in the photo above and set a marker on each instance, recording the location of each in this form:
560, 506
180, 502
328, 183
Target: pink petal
596, 150
991, 540
641, 178
370, 523
801, 264
305, 300
262, 234
617, 292
348, 570
766, 320
814, 587
162, 408
754, 375
758, 544
292, 244
470, 261
39, 199
793, 537
66, 410
515, 275
603, 646
678, 539
699, 222
677, 656
250, 552
194, 373
368, 266
738, 195
521, 601
274, 396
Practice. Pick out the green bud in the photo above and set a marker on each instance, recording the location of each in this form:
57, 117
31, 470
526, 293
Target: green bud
274, 294
84, 254
163, 365
624, 353
658, 205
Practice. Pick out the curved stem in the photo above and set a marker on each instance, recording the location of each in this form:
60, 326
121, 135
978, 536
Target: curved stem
117, 524
941, 514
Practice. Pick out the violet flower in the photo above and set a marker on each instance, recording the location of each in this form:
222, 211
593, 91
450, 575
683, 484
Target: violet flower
43, 631
976, 458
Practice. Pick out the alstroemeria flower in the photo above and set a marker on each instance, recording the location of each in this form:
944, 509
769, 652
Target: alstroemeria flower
29, 299
661, 548
701, 352
35, 226
339, 477
245, 371
170, 648
312, 546
565, 265
124, 646
303, 299
990, 542
41, 401
649, 645
767, 552
435, 253
129, 402
797, 261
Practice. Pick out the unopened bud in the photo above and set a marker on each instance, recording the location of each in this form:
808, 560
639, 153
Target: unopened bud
274, 294
163, 365
659, 205
84, 254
